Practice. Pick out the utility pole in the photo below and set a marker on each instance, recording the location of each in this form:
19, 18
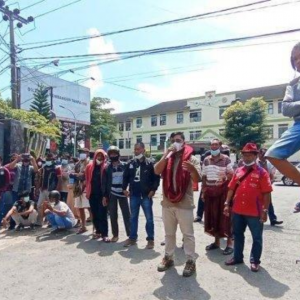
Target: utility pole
11, 16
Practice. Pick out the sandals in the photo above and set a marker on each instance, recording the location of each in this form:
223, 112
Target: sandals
81, 230
212, 246
106, 239
96, 236
227, 251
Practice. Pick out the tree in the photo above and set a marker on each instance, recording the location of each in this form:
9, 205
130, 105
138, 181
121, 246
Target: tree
102, 121
246, 123
41, 102
37, 122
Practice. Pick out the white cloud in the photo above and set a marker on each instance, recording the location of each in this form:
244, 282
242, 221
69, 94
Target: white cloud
236, 68
97, 46
116, 105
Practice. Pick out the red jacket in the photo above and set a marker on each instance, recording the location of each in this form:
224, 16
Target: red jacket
89, 172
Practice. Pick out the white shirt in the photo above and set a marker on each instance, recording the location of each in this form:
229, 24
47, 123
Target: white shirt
63, 207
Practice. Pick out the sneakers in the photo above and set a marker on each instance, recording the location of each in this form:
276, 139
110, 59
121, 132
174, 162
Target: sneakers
189, 269
114, 239
197, 220
129, 242
150, 245
166, 264
19, 227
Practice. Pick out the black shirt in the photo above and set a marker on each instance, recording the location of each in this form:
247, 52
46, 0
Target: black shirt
23, 206
96, 180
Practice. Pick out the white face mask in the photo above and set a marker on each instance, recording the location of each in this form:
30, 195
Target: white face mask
139, 156
99, 162
48, 163
39, 164
26, 199
249, 164
82, 156
178, 146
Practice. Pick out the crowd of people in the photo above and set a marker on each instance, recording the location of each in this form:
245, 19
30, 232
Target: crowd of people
68, 192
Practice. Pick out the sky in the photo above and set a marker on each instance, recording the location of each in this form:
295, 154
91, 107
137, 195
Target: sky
169, 76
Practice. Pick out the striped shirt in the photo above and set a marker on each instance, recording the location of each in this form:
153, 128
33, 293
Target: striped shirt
216, 170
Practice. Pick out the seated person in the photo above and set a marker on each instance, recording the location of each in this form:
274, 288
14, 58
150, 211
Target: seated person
58, 213
22, 212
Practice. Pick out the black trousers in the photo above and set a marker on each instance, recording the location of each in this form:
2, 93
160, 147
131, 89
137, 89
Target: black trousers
200, 209
113, 211
99, 214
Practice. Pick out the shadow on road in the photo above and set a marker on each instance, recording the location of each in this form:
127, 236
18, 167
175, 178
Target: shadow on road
267, 285
137, 255
175, 287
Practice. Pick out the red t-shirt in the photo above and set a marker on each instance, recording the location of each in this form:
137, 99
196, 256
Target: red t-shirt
248, 199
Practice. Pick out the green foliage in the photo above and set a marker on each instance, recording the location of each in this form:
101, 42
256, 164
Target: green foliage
245, 123
41, 102
38, 123
102, 121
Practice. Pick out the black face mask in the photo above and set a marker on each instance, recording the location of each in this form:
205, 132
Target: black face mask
114, 158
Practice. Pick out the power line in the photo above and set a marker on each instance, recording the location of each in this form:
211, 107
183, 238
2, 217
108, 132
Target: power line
31, 5
194, 17
53, 10
139, 53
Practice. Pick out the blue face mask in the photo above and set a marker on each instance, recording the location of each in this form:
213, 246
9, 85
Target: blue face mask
64, 162
215, 152
48, 163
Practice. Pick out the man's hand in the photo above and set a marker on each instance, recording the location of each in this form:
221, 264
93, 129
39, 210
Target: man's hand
151, 194
226, 211
126, 193
264, 216
4, 223
104, 201
188, 166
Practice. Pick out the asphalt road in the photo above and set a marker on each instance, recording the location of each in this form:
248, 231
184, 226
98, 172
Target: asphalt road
40, 266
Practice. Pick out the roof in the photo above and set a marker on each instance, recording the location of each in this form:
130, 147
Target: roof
268, 92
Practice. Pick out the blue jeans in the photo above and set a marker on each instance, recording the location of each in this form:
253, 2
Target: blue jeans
240, 222
58, 221
200, 208
271, 213
287, 145
135, 204
6, 203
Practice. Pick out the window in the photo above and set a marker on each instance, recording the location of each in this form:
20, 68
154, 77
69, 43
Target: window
270, 108
153, 139
195, 135
121, 143
163, 120
128, 126
139, 122
180, 118
281, 129
153, 121
280, 106
270, 132
195, 116
162, 139
222, 110
221, 132
128, 143
121, 126
139, 138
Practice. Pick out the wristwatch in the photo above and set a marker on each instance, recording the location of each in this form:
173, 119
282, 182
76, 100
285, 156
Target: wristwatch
265, 211
226, 203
